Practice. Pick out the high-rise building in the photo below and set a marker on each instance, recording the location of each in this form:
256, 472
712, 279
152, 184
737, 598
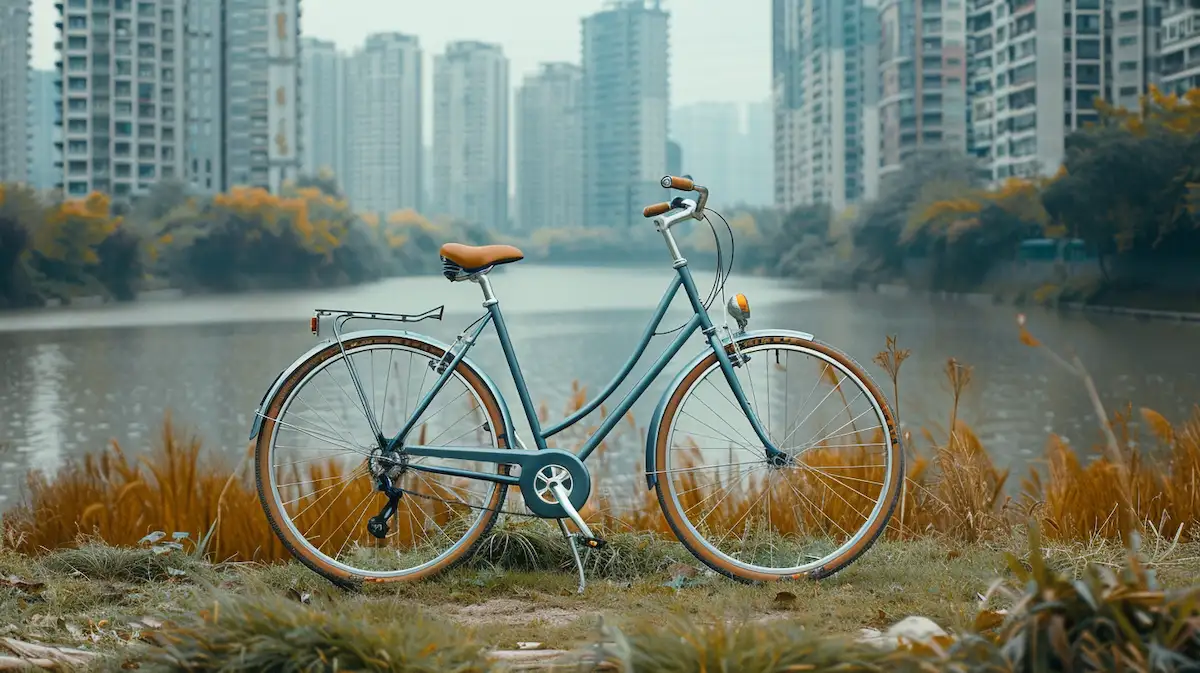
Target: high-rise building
323, 81
262, 115
729, 147
923, 64
1036, 70
470, 133
674, 158
243, 93
44, 171
1179, 59
550, 148
1180, 56
120, 69
754, 165
205, 146
710, 134
1133, 41
625, 111
385, 151
14, 90
824, 57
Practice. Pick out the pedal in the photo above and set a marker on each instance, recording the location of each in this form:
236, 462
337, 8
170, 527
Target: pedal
593, 542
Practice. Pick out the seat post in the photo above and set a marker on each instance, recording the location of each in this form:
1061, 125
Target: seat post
489, 297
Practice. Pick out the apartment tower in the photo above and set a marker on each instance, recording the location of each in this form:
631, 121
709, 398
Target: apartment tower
121, 71
384, 138
824, 63
323, 80
470, 133
923, 68
14, 90
626, 105
550, 148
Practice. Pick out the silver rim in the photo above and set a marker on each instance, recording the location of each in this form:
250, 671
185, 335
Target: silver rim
412, 366
819, 448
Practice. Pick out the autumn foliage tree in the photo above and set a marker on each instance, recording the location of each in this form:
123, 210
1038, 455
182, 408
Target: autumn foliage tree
306, 235
1130, 182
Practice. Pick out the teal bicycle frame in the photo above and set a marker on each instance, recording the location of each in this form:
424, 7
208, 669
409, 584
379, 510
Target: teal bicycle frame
506, 456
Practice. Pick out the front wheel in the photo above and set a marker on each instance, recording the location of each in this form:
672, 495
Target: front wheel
756, 518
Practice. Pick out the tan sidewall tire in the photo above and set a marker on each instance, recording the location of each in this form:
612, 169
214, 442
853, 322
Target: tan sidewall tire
262, 453
678, 522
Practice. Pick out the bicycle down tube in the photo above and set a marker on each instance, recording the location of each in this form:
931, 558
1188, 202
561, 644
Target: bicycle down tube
699, 320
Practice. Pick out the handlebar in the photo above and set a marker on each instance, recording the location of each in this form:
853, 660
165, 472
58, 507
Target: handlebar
656, 209
682, 184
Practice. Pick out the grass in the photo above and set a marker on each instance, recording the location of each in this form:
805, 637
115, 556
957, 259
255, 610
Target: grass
166, 610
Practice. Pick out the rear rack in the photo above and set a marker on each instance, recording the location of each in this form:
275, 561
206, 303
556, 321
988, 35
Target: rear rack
340, 317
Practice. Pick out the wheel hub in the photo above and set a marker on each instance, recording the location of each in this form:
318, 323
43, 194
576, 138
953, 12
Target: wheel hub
390, 464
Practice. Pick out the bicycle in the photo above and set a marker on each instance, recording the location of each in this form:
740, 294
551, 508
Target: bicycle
425, 496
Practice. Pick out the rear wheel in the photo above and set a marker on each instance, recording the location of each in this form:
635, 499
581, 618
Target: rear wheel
317, 456
756, 519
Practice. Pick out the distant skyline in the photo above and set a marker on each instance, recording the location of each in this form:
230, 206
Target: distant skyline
720, 50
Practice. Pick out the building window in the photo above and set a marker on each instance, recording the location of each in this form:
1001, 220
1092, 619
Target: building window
77, 21
1127, 40
77, 42
1129, 66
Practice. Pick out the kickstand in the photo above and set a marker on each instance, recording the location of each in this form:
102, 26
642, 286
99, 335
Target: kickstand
585, 534
579, 563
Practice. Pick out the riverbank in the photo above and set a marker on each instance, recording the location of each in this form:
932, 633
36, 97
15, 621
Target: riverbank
160, 608
983, 299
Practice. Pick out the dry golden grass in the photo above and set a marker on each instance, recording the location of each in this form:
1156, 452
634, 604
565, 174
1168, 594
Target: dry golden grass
952, 489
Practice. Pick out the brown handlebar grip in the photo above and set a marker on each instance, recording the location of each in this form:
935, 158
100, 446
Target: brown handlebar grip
682, 184
656, 209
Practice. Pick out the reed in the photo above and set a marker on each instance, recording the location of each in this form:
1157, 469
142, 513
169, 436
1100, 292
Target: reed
952, 488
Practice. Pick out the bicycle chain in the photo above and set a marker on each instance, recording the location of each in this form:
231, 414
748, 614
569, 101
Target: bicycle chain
475, 507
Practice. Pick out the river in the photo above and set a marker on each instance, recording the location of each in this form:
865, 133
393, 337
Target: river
75, 378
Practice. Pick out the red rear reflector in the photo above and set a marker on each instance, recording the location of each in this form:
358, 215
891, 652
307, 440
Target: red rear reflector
314, 323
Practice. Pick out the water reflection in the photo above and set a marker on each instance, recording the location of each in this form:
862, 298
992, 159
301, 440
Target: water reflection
73, 379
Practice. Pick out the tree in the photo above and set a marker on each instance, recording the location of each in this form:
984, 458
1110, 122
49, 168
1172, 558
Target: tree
20, 213
882, 225
1125, 189
967, 231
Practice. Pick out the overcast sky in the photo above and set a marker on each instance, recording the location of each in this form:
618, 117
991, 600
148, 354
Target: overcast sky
720, 49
